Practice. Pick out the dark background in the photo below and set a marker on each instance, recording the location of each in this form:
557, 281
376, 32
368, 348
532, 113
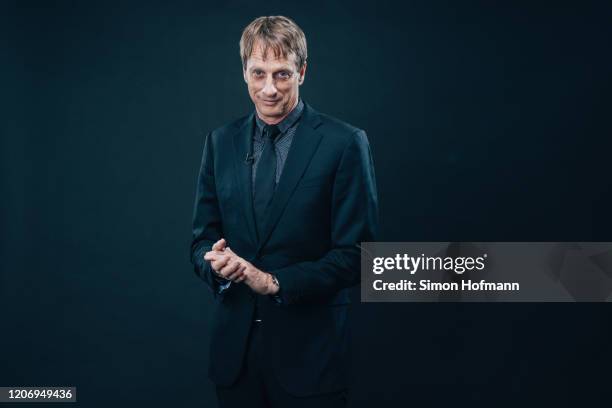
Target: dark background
488, 121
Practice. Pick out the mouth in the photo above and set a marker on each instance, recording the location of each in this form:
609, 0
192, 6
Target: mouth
269, 103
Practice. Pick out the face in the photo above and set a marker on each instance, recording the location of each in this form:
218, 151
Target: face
273, 83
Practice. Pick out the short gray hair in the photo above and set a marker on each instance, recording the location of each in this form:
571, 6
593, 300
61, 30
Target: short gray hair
278, 33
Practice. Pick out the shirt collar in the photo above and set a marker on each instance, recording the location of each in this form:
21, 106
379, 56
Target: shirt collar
287, 122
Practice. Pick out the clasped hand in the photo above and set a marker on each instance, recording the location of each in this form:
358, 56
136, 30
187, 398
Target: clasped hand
228, 265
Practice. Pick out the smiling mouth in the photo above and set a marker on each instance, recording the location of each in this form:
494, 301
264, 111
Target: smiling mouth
269, 102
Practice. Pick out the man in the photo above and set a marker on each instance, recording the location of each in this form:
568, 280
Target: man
284, 197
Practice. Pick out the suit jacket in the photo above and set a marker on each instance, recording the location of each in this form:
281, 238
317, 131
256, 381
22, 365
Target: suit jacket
324, 205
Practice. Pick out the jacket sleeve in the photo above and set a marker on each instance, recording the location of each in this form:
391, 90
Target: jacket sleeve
207, 227
354, 217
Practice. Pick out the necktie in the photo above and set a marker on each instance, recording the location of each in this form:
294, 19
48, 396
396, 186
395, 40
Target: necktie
265, 178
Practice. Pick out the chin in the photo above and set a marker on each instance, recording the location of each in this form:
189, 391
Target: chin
270, 110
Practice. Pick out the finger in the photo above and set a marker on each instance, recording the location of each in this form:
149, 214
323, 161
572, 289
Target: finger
219, 245
228, 251
234, 275
230, 267
218, 264
210, 256
242, 276
213, 255
245, 275
247, 271
213, 252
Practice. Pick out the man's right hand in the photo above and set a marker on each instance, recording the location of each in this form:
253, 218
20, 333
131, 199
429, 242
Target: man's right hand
219, 245
224, 265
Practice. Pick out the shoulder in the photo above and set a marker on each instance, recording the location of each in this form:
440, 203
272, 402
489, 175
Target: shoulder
230, 128
336, 125
342, 132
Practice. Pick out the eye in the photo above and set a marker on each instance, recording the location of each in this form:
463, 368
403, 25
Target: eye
283, 75
258, 73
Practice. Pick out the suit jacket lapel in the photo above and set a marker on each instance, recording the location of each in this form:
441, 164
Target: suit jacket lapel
305, 141
242, 148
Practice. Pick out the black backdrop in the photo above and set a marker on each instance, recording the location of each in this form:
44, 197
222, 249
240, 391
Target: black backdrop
487, 121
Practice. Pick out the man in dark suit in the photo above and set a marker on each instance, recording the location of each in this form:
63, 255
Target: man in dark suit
285, 195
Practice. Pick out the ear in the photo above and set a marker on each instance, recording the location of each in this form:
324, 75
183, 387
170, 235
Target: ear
244, 75
302, 74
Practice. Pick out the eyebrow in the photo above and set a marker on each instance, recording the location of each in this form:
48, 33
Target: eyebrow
276, 71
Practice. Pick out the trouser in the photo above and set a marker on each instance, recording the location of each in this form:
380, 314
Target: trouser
257, 387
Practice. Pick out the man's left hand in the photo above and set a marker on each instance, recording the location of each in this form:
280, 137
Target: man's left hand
259, 281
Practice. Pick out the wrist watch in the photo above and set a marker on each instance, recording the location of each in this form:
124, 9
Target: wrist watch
275, 281
276, 296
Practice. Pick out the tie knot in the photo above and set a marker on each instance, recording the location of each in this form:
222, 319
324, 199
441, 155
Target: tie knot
271, 132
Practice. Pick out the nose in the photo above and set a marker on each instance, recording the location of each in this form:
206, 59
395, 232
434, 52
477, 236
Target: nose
269, 90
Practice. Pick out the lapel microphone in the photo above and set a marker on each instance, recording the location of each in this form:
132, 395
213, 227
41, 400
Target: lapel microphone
249, 158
